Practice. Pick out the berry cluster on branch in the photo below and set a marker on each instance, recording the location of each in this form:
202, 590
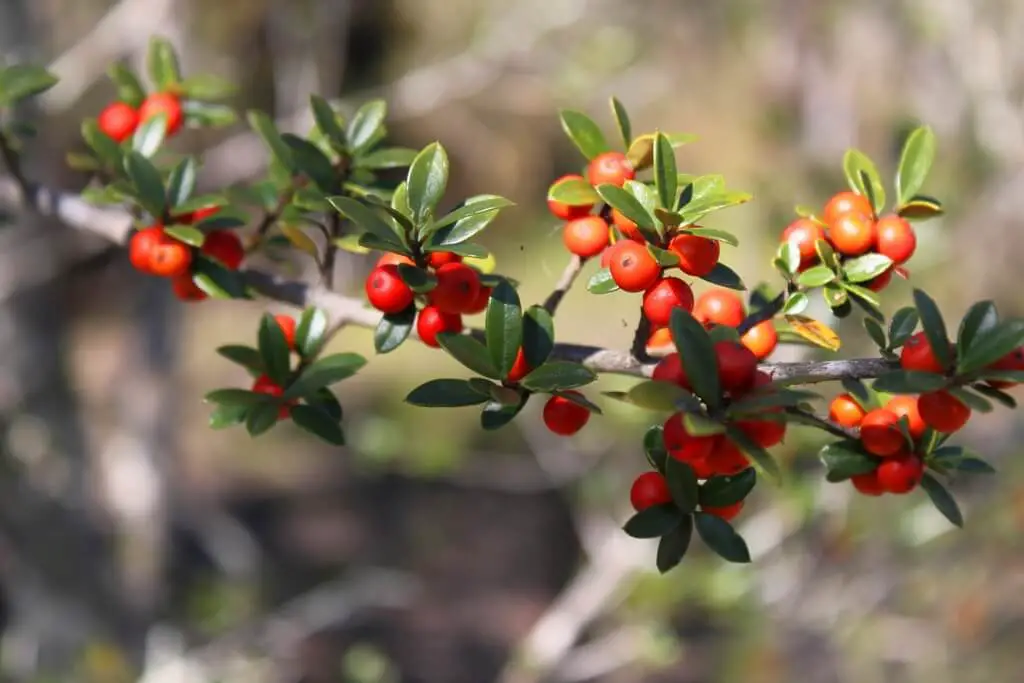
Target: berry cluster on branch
702, 359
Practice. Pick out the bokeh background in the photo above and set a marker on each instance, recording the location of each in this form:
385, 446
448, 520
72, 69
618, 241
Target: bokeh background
132, 537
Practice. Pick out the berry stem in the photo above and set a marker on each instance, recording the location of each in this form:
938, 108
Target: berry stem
331, 252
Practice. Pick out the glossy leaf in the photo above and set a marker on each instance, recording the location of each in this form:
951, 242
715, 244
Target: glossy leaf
263, 126
574, 192
665, 181
754, 452
902, 326
876, 332
992, 344
653, 522
325, 372
470, 353
815, 276
182, 182
445, 393
942, 499
162, 64
319, 423
312, 162
724, 276
916, 159
504, 326
843, 460
654, 447
720, 537
682, 483
129, 89
584, 133
980, 317
428, 178
274, 350
538, 335
867, 267
310, 331
148, 184
261, 417
622, 121
934, 327
393, 330
720, 491
673, 545
921, 208
327, 122
366, 125
630, 207
246, 356
863, 178
656, 395
697, 355
601, 282
366, 217
224, 416
909, 382
188, 234
150, 135
234, 397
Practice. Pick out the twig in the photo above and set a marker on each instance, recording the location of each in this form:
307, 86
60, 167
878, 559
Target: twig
564, 284
331, 250
13, 163
640, 339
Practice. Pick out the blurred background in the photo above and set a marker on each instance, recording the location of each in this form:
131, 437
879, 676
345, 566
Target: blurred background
133, 538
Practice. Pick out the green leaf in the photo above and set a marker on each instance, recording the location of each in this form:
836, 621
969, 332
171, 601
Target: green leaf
622, 121
717, 235
584, 133
720, 491
538, 335
274, 350
673, 545
150, 135
105, 148
843, 460
996, 394
467, 227
656, 395
327, 123
816, 276
324, 372
934, 327
446, 393
235, 397
876, 332
942, 499
319, 423
369, 219
653, 522
720, 537
755, 402
312, 162
261, 417
504, 326
916, 159
601, 282
205, 114
971, 400
754, 452
495, 415
724, 276
310, 333
863, 177
909, 382
366, 125
558, 375
246, 356
392, 157
980, 317
992, 344
162, 64
867, 267
148, 184
698, 357
474, 206
796, 304
631, 208
20, 81
902, 326
426, 182
217, 281
654, 447
186, 233
129, 89
921, 208
393, 329
699, 424
665, 180
182, 181
263, 126
419, 280
574, 192
207, 87
470, 353
682, 482
224, 416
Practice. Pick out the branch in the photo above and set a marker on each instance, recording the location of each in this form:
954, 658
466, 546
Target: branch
564, 284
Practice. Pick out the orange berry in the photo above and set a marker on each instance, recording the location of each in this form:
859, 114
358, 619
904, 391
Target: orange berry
564, 417
632, 267
670, 369
906, 406
697, 255
118, 121
185, 289
457, 288
846, 202
665, 295
436, 259
586, 236
612, 168
568, 212
719, 307
943, 412
804, 233
726, 512
761, 339
852, 234
845, 411
141, 245
895, 238
627, 227
660, 339
736, 366
287, 325
390, 258
900, 474
224, 246
682, 445
880, 433
168, 257
387, 291
163, 103
868, 483
431, 322
917, 354
648, 490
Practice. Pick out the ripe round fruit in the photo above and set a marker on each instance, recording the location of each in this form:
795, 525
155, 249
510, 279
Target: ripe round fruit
697, 255
563, 417
436, 259
520, 368
265, 385
659, 340
736, 366
287, 325
766, 433
845, 411
670, 369
431, 321
201, 214
868, 483
906, 406
726, 512
682, 445
163, 103
568, 212
846, 202
901, 474
726, 457
895, 238
386, 291
720, 307
391, 258
480, 303
852, 234
457, 289
586, 236
1011, 361
667, 293
185, 289
118, 121
917, 354
224, 246
880, 433
632, 267
612, 168
880, 282
804, 234
761, 339
140, 247
627, 227
943, 412
648, 490
168, 257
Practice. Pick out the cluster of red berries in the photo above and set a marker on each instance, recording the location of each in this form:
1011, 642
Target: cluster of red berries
119, 120
848, 223
153, 251
651, 488
263, 383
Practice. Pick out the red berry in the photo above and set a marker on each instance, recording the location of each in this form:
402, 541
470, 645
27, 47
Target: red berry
141, 245
880, 433
118, 121
895, 238
265, 385
666, 294
287, 325
852, 234
436, 259
564, 417
682, 445
880, 282
457, 289
906, 406
846, 202
804, 233
719, 306
726, 512
393, 259
761, 339
627, 227
168, 257
163, 103
766, 433
845, 411
736, 366
431, 321
568, 212
726, 457
632, 267
185, 289
900, 474
386, 290
481, 301
1011, 361
224, 246
697, 255
868, 483
917, 354
202, 213
586, 236
611, 168
670, 369
520, 368
648, 490
943, 412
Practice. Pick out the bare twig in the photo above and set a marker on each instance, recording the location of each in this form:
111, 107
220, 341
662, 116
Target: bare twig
564, 284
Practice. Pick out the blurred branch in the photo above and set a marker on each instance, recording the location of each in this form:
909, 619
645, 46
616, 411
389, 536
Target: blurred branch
564, 284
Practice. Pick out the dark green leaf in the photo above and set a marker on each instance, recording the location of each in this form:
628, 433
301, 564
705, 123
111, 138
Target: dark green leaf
755, 403
656, 395
996, 394
990, 345
673, 545
843, 460
20, 81
754, 452
720, 491
224, 416
653, 522
369, 219
909, 382
682, 482
579, 399
538, 335
665, 180
326, 401
263, 126
261, 417
713, 234
724, 276
162, 64
464, 229
584, 133
150, 134
902, 326
319, 423
129, 89
327, 122
445, 393
324, 372
876, 332
235, 397
105, 148
654, 447
366, 125
474, 206
916, 159
934, 327
980, 317
217, 281
816, 276
148, 184
310, 331
720, 537
630, 207
274, 350
971, 400
504, 327
867, 267
942, 499
393, 329
495, 415
723, 333
470, 353
246, 356
312, 162
427, 180
419, 280
698, 357
182, 182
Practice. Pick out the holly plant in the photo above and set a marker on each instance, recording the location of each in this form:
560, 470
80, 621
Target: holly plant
718, 405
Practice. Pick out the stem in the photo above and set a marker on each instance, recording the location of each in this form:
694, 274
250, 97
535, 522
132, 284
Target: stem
565, 282
331, 252
827, 425
13, 163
